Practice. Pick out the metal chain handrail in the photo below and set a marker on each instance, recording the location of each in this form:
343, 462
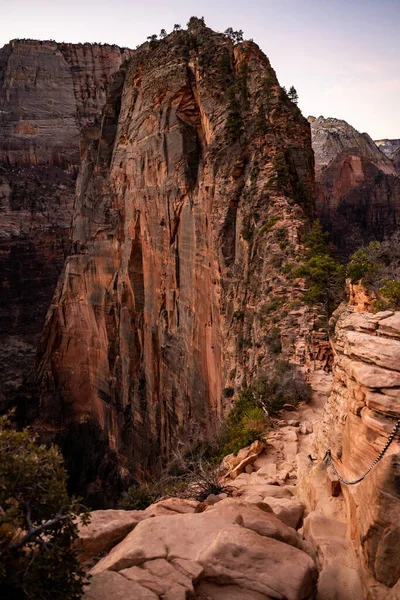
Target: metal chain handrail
328, 458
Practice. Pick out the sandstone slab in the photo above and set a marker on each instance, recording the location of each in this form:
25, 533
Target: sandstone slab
239, 556
110, 585
106, 529
288, 510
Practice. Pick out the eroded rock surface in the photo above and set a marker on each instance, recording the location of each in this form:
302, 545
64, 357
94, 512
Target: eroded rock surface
358, 418
49, 92
180, 234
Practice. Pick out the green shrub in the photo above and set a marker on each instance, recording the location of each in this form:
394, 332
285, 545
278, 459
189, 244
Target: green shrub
38, 522
377, 266
279, 179
235, 433
240, 439
255, 419
141, 496
286, 385
324, 274
270, 307
391, 292
365, 263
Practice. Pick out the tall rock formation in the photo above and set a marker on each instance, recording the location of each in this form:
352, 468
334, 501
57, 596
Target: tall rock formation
189, 205
357, 186
48, 93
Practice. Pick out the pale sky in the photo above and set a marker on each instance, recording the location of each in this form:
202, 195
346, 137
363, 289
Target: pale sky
343, 56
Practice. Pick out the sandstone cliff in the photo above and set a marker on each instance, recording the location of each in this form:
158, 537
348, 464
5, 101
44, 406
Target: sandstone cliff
358, 418
357, 186
189, 205
48, 93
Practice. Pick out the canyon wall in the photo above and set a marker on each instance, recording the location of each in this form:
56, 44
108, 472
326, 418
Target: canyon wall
358, 418
49, 92
190, 203
357, 185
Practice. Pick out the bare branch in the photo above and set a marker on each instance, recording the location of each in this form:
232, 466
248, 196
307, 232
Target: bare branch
33, 533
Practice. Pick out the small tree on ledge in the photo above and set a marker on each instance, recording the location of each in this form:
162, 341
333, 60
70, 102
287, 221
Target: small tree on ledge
293, 95
235, 36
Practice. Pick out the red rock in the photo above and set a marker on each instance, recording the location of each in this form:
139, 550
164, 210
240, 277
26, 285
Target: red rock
152, 308
49, 92
356, 437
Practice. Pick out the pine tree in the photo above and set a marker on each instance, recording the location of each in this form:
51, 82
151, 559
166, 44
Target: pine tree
324, 275
293, 95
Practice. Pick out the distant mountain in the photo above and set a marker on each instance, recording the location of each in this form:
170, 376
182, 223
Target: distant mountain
389, 147
357, 184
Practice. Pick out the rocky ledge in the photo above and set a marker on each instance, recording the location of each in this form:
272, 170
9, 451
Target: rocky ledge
233, 549
358, 418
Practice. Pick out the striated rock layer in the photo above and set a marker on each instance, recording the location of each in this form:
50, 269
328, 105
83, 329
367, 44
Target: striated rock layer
48, 93
358, 418
181, 229
357, 186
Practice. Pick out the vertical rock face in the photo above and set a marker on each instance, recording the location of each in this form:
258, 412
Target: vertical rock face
358, 418
182, 226
48, 93
357, 186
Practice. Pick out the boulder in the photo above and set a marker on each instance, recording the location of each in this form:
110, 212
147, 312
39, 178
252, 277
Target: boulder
288, 510
106, 529
110, 585
232, 544
109, 527
171, 505
159, 576
156, 538
242, 466
260, 487
236, 464
241, 557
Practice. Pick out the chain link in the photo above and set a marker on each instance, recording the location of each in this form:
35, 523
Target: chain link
328, 458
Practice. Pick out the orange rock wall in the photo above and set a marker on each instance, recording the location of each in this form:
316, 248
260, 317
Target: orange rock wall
48, 93
358, 417
159, 308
